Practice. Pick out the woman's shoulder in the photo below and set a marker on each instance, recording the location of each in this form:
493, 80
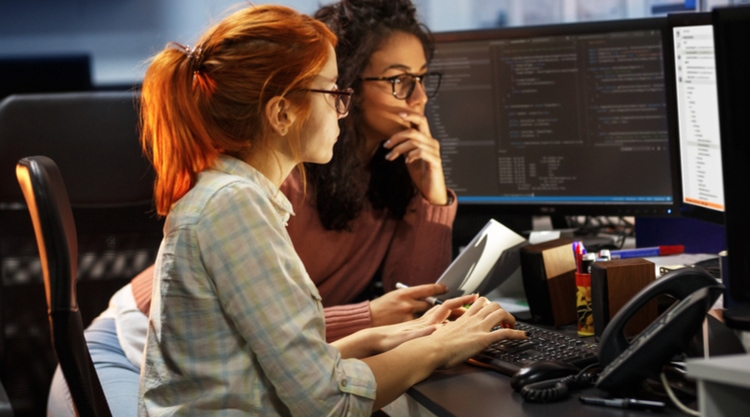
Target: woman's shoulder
217, 193
213, 185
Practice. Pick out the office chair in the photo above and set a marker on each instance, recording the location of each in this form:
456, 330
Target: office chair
5, 409
47, 199
93, 138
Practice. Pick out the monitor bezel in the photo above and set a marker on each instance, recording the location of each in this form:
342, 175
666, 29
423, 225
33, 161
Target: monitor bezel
571, 209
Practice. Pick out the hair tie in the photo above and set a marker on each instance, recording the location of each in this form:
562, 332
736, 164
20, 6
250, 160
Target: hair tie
195, 57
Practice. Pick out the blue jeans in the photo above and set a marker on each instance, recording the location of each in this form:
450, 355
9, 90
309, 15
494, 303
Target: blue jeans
119, 377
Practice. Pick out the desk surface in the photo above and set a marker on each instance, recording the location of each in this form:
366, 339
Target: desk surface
472, 391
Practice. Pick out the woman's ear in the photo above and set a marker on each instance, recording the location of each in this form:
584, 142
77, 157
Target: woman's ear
280, 115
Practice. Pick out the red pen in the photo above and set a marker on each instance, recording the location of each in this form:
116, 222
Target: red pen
578, 251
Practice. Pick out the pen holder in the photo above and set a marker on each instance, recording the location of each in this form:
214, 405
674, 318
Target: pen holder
583, 305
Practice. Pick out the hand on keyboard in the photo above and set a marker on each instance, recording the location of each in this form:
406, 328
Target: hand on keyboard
508, 356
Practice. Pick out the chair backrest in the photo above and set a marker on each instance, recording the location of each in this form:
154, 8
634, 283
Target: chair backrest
47, 199
5, 408
93, 139
87, 134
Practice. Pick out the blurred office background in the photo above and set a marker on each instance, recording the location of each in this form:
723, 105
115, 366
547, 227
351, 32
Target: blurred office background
119, 36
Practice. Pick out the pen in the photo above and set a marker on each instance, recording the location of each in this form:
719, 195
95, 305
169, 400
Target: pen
630, 403
586, 262
646, 252
578, 251
430, 299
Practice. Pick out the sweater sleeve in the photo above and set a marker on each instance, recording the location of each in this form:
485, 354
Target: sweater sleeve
141, 286
344, 320
422, 245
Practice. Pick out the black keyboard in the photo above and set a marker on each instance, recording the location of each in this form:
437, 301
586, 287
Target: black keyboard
508, 356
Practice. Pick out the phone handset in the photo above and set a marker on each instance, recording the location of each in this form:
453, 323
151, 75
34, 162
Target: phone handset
626, 363
678, 284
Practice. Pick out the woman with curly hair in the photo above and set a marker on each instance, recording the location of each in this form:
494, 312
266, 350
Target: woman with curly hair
380, 209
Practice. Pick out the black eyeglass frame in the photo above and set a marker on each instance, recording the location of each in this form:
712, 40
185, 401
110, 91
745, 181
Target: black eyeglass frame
416, 79
340, 94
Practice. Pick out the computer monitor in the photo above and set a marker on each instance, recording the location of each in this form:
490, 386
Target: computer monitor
731, 34
565, 119
693, 114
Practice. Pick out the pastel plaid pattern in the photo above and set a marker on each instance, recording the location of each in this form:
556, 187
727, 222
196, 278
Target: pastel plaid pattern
236, 324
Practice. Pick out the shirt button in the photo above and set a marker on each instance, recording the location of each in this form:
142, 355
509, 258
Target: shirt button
344, 383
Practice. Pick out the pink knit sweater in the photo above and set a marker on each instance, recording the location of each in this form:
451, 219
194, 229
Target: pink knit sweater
414, 250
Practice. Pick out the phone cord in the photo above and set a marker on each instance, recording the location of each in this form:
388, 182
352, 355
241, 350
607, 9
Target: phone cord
556, 389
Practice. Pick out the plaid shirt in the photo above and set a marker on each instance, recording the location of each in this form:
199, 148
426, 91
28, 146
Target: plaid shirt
236, 323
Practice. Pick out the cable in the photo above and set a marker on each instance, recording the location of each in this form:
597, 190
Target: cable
547, 391
557, 389
676, 401
619, 227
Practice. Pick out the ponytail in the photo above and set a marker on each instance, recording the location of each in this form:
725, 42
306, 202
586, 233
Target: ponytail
198, 103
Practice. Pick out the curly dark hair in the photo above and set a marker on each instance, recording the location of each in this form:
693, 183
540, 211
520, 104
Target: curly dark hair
343, 186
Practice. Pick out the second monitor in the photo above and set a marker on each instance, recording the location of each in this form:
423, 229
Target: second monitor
561, 119
692, 99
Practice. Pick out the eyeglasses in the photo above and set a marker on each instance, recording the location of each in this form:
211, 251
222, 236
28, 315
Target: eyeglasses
404, 84
342, 99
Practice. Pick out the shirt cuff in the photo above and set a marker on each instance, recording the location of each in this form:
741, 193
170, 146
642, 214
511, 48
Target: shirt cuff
439, 214
357, 379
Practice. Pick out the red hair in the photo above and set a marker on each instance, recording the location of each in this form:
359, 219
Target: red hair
198, 103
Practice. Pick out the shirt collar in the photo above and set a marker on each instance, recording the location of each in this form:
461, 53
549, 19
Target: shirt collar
234, 166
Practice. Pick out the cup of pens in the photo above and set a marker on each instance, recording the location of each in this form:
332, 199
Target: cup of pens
583, 305
583, 295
